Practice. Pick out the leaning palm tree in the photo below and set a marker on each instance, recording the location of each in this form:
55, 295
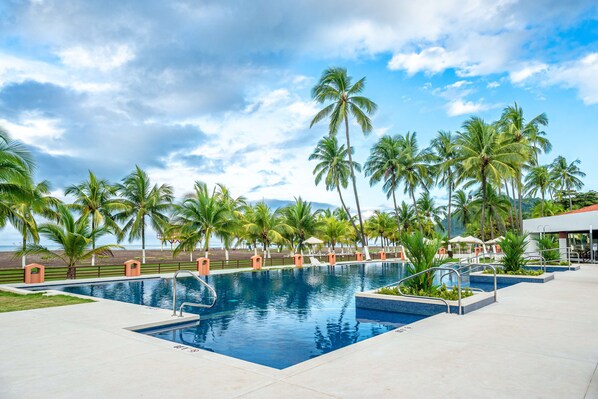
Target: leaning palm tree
34, 200
334, 168
567, 176
384, 163
444, 150
484, 156
414, 169
142, 201
73, 238
344, 98
200, 216
537, 181
96, 199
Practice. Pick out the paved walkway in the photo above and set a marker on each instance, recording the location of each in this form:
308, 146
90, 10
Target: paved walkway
539, 341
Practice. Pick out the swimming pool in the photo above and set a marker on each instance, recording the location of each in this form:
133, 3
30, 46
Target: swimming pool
276, 318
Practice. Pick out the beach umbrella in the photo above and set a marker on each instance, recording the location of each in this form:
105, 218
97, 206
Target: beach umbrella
456, 240
472, 240
313, 241
497, 240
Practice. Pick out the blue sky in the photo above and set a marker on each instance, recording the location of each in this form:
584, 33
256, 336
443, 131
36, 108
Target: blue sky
220, 91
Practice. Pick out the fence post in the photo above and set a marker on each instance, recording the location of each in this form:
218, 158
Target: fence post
98, 271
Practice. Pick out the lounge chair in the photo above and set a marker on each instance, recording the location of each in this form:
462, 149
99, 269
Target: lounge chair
315, 262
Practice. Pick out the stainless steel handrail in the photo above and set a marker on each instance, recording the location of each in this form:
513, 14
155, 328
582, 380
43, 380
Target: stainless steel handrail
448, 269
197, 305
472, 267
540, 257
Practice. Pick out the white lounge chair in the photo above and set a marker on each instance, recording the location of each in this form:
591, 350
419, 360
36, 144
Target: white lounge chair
315, 262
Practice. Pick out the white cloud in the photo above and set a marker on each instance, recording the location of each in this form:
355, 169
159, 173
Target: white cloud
431, 60
492, 85
581, 74
527, 71
37, 131
104, 58
460, 107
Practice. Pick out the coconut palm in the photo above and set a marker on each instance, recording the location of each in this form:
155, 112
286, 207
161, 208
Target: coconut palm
463, 208
384, 163
302, 221
566, 176
235, 208
268, 227
497, 208
34, 200
73, 238
343, 98
444, 156
431, 215
201, 215
414, 169
407, 219
96, 199
16, 166
484, 156
143, 204
537, 181
333, 231
379, 225
334, 167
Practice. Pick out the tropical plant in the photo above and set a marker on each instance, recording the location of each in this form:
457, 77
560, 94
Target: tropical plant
549, 248
444, 156
234, 205
407, 219
96, 199
333, 167
463, 208
485, 156
344, 98
302, 221
143, 204
73, 238
537, 181
431, 215
422, 256
33, 200
16, 165
333, 231
380, 225
497, 208
384, 164
567, 175
266, 226
513, 247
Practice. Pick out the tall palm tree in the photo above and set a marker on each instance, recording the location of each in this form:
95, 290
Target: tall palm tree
537, 181
384, 163
344, 98
235, 208
201, 215
414, 169
430, 213
96, 199
334, 167
300, 218
142, 201
34, 200
484, 156
407, 218
444, 150
16, 166
496, 208
567, 176
527, 133
73, 237
463, 207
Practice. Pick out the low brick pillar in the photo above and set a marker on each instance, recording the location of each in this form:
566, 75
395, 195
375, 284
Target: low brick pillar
358, 256
298, 260
132, 268
256, 262
441, 251
203, 266
332, 259
401, 255
34, 273
478, 251
382, 255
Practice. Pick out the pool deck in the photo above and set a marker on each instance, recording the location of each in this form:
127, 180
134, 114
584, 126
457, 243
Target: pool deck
539, 340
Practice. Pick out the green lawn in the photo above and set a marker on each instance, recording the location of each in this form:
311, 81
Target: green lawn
10, 302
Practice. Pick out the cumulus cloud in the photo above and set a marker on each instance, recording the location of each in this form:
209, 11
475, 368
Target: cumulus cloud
460, 107
580, 74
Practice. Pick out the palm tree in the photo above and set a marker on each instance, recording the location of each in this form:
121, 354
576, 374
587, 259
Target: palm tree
463, 207
567, 176
96, 199
201, 215
142, 201
484, 156
414, 169
335, 87
74, 239
235, 207
333, 230
537, 181
334, 168
33, 201
407, 217
431, 214
267, 226
384, 163
444, 150
528, 134
497, 208
300, 218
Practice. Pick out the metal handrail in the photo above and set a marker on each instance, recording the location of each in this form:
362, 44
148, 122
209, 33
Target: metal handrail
540, 257
448, 269
197, 305
474, 266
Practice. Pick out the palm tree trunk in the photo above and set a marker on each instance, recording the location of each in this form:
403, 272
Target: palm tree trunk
570, 200
394, 201
482, 221
340, 195
421, 229
363, 239
143, 239
510, 204
24, 257
93, 240
542, 205
520, 206
448, 222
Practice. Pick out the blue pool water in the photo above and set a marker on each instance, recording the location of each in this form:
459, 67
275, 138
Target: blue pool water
276, 318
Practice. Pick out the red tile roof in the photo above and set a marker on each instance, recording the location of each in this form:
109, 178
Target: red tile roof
581, 210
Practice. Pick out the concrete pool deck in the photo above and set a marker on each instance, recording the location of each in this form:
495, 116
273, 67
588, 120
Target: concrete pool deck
539, 340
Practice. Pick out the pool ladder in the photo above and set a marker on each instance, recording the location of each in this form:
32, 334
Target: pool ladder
197, 305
